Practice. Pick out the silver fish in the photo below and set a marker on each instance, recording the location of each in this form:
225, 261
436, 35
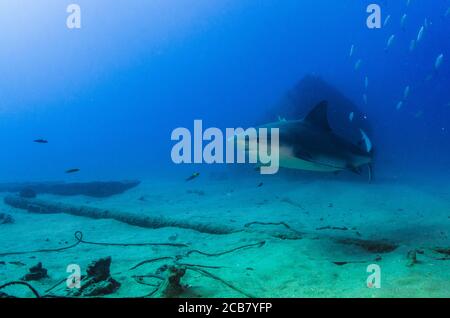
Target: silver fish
358, 64
438, 61
386, 21
403, 21
420, 34
406, 92
352, 50
390, 41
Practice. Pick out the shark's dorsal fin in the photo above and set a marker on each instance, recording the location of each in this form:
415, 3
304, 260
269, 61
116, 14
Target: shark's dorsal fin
318, 116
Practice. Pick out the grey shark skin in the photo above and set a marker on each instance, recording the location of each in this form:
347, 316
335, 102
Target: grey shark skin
310, 144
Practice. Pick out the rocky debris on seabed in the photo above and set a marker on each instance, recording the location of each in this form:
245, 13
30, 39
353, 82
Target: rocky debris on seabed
6, 219
172, 287
371, 246
27, 193
98, 281
36, 272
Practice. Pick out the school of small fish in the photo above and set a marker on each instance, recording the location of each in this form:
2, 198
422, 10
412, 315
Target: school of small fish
413, 44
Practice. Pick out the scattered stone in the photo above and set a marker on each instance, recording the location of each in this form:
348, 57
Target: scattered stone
411, 256
98, 281
172, 287
27, 193
6, 219
36, 272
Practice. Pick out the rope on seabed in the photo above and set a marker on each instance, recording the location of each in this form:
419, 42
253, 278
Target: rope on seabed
33, 290
194, 267
79, 239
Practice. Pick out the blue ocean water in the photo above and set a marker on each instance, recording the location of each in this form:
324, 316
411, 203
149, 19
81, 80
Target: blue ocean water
108, 95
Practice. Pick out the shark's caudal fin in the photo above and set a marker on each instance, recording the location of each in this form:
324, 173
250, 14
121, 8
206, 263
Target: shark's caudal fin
318, 116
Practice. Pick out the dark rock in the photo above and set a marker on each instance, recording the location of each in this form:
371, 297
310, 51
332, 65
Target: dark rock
6, 219
27, 193
372, 246
98, 281
36, 272
172, 287
99, 270
104, 287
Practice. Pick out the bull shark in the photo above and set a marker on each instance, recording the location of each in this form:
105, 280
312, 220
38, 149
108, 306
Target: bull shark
310, 144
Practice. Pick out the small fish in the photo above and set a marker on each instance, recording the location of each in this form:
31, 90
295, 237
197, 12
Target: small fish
350, 116
412, 45
389, 42
403, 21
406, 92
352, 50
193, 176
420, 34
72, 170
386, 21
260, 184
366, 82
425, 23
399, 105
438, 61
365, 99
358, 64
41, 141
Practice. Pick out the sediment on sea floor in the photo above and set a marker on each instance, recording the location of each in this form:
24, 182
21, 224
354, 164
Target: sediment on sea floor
153, 222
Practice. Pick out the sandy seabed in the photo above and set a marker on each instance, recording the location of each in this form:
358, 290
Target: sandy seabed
316, 257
